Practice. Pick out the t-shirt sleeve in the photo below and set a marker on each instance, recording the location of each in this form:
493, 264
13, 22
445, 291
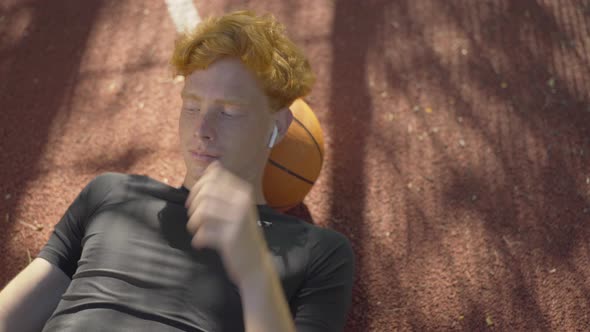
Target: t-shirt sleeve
323, 301
64, 247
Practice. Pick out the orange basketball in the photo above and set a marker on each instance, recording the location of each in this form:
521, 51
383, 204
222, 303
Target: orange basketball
295, 163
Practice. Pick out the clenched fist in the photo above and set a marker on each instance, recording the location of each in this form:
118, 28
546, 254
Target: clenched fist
223, 216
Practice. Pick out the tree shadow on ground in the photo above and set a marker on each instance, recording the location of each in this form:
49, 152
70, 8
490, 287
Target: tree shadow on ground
514, 93
39, 70
354, 30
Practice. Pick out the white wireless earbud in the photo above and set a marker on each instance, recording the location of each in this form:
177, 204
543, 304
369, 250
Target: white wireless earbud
273, 138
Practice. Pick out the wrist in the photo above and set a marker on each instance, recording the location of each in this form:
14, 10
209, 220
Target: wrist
258, 274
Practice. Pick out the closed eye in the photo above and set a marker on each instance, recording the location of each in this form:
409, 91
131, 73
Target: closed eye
226, 114
191, 110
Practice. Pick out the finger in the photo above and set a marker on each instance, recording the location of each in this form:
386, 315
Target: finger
203, 195
209, 173
215, 164
206, 209
192, 204
194, 191
206, 236
197, 190
195, 220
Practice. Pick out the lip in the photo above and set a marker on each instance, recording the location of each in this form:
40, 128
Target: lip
203, 156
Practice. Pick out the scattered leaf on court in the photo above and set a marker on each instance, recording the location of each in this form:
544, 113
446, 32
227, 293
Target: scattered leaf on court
35, 227
464, 51
552, 270
428, 110
460, 119
383, 94
389, 116
462, 142
551, 82
503, 85
461, 317
29, 256
7, 196
489, 320
587, 180
416, 108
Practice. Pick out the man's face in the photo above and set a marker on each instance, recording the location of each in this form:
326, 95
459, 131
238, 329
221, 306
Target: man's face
225, 115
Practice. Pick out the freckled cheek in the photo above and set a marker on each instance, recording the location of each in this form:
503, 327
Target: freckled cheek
228, 134
248, 137
184, 129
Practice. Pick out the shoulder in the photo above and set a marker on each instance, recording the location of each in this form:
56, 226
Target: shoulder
315, 240
114, 188
100, 188
330, 259
110, 178
327, 241
326, 247
107, 179
104, 182
318, 239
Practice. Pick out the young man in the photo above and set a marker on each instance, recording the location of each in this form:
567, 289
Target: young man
134, 254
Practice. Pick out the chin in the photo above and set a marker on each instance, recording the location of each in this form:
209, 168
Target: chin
194, 168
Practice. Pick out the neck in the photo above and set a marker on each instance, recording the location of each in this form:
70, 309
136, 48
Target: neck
259, 195
257, 185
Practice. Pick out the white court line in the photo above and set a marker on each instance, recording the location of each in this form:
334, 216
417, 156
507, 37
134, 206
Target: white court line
183, 13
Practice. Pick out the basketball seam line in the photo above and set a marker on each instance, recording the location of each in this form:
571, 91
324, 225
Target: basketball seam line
274, 163
310, 135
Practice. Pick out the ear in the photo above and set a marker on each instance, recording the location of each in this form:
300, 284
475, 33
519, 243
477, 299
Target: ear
283, 119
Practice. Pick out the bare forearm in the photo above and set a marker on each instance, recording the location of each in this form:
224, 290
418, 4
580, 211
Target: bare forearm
263, 301
29, 299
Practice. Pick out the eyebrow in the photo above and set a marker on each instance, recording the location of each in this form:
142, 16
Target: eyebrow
216, 101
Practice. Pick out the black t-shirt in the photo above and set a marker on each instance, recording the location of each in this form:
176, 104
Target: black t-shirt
124, 243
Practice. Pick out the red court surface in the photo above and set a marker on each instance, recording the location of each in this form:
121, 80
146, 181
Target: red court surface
457, 143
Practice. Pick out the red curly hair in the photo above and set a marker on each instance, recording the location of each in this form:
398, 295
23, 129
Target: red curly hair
262, 45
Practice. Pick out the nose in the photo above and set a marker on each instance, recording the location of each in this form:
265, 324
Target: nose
206, 128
